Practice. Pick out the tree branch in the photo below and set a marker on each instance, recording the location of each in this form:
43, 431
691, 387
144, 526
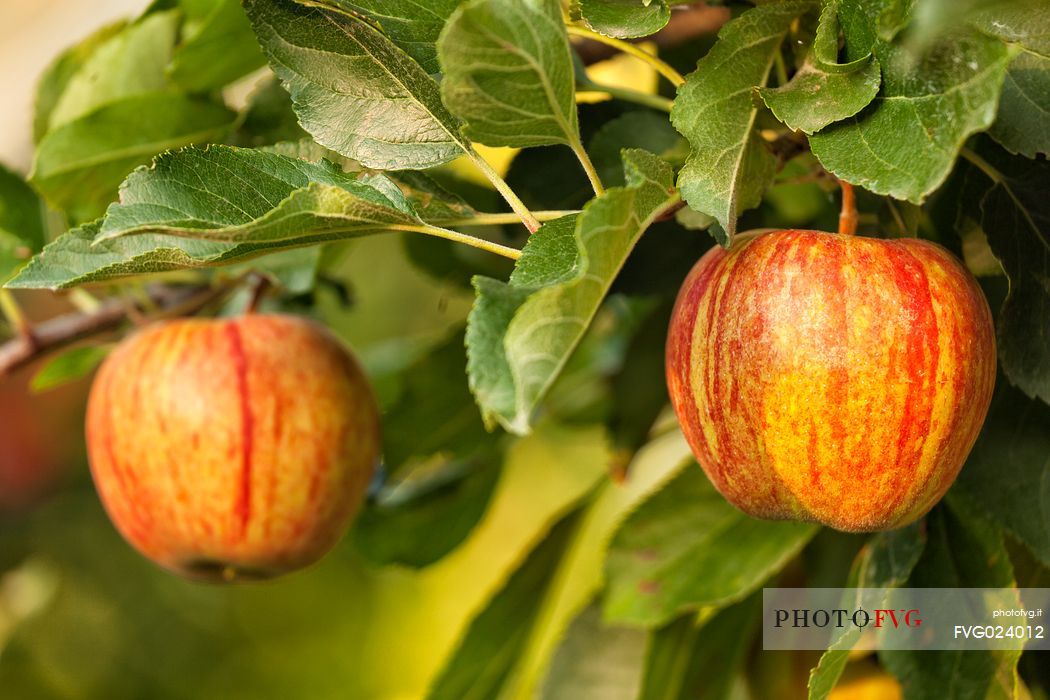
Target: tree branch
62, 331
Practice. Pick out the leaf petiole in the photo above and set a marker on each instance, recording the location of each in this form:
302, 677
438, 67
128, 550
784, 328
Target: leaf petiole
982, 165
13, 312
497, 219
504, 189
630, 49
457, 237
588, 167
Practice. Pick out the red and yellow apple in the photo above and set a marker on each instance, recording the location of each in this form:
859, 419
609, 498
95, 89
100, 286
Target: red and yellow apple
831, 378
234, 448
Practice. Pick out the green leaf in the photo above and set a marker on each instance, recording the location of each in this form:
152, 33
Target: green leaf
414, 25
79, 165
1016, 21
434, 412
595, 662
293, 271
521, 333
963, 551
670, 555
21, 223
483, 658
858, 21
401, 529
74, 258
60, 71
231, 195
130, 63
577, 577
510, 87
624, 19
642, 129
216, 205
824, 91
69, 366
693, 660
216, 52
885, 562
167, 201
1023, 122
354, 90
1006, 196
905, 142
430, 200
1008, 472
729, 167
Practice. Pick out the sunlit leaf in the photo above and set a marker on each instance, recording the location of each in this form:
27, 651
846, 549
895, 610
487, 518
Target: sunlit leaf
666, 557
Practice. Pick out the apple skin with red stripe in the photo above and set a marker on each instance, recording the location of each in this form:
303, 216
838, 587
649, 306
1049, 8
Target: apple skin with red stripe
232, 449
831, 378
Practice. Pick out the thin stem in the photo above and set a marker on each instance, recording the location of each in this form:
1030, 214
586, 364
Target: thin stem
504, 189
982, 165
457, 237
13, 312
782, 74
588, 167
260, 286
630, 49
848, 215
628, 95
901, 226
84, 300
497, 219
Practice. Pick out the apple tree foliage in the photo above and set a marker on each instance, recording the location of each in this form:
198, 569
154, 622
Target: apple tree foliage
538, 529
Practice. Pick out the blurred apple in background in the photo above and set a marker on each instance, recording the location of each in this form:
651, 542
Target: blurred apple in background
39, 438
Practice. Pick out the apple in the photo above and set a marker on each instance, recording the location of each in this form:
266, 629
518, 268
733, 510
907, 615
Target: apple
234, 448
831, 378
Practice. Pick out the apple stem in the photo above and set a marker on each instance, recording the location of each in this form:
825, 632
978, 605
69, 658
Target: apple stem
848, 215
260, 286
